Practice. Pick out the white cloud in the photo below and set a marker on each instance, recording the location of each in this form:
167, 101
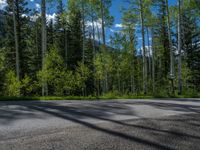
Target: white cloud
111, 30
37, 6
115, 31
24, 15
125, 25
51, 16
34, 17
97, 26
97, 23
3, 3
118, 25
148, 51
108, 41
48, 17
140, 38
32, 0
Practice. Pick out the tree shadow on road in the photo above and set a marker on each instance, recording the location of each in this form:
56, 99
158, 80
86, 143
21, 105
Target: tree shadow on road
160, 133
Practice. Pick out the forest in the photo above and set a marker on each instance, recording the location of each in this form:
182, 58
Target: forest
74, 55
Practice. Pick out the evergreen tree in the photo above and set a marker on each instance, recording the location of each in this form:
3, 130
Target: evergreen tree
161, 47
60, 34
74, 30
190, 44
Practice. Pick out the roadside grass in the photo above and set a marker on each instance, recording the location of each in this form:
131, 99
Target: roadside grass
91, 98
29, 98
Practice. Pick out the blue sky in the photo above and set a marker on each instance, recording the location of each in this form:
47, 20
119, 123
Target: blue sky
115, 11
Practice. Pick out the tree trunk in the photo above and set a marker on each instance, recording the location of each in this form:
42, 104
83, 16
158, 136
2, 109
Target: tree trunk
65, 44
98, 33
93, 46
105, 85
118, 79
16, 36
171, 50
131, 38
143, 47
102, 23
179, 50
93, 34
44, 42
83, 42
153, 62
83, 28
149, 54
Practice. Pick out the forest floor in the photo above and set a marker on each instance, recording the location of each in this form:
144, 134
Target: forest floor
115, 124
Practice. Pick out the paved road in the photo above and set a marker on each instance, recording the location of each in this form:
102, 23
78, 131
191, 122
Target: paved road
89, 125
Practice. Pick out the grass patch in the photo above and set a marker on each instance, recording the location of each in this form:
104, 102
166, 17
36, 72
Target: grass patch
47, 98
108, 96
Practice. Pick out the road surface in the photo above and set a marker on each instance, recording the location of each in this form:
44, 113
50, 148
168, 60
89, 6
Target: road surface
100, 125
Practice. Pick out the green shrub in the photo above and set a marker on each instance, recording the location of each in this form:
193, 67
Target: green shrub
12, 84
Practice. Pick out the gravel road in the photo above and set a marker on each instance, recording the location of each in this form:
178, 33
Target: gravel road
100, 125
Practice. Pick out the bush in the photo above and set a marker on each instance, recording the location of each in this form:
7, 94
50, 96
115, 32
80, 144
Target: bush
27, 86
59, 79
53, 72
12, 84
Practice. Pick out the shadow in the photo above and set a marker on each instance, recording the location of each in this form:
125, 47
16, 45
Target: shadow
196, 100
79, 112
10, 113
177, 107
107, 131
187, 108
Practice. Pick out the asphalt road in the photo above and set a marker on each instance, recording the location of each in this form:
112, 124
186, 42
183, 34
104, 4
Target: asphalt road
97, 125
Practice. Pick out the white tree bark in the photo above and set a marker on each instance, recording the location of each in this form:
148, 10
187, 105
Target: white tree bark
143, 47
179, 50
102, 23
16, 40
171, 50
44, 42
153, 62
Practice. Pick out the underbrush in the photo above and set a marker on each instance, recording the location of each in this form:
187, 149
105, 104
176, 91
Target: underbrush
107, 96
